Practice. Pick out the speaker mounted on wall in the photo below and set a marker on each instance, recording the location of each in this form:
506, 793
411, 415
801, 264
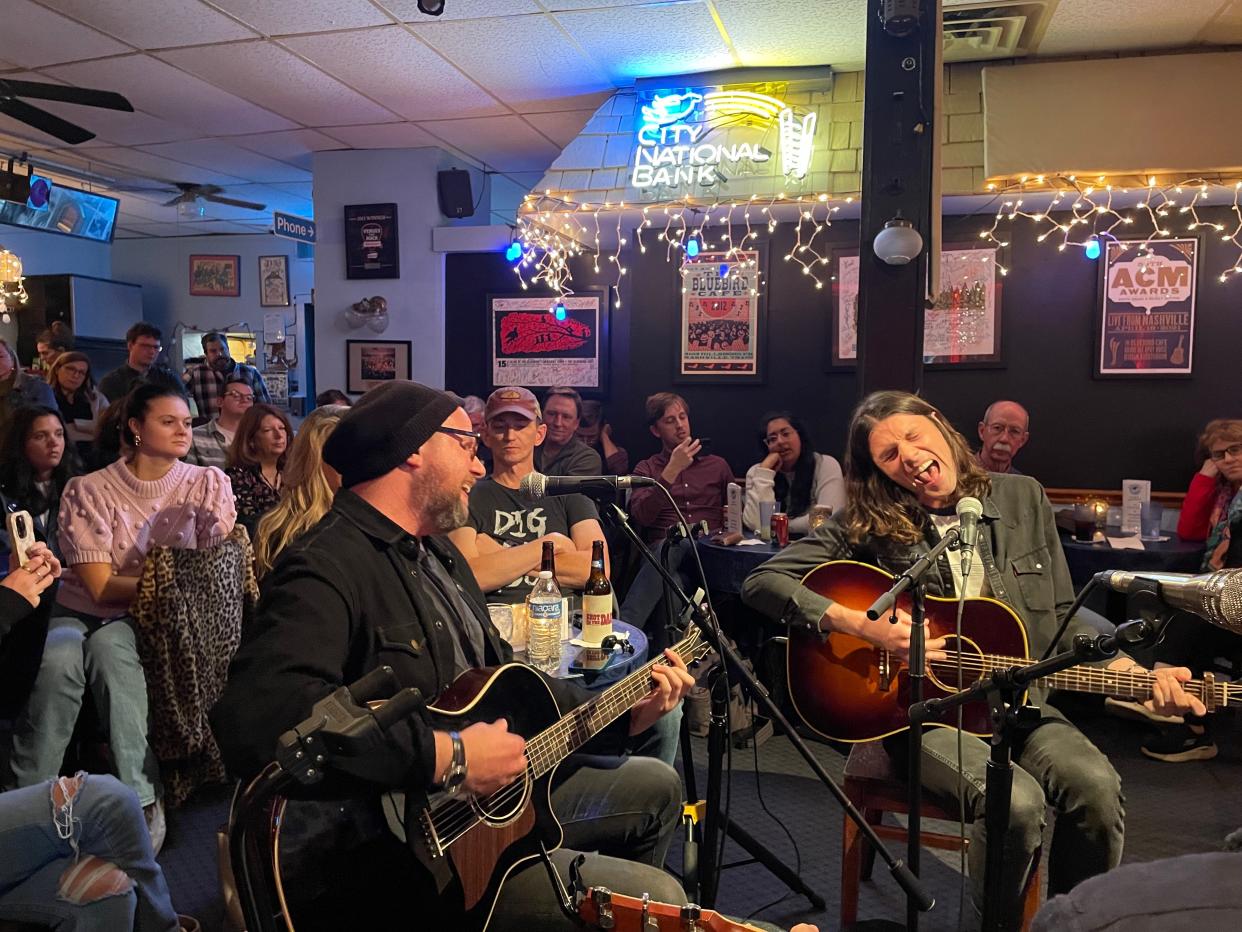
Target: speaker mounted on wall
456, 200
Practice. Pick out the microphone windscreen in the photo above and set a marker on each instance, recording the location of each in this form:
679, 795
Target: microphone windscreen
969, 505
533, 484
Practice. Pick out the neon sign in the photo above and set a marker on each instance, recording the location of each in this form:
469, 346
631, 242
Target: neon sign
673, 149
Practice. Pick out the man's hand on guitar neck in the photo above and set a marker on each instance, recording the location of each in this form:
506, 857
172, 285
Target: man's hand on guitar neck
894, 638
495, 757
1167, 695
669, 684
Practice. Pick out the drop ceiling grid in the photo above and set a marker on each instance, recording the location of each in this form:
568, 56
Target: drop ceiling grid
154, 24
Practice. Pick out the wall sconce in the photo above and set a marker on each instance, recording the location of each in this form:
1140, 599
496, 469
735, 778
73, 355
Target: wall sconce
898, 243
11, 287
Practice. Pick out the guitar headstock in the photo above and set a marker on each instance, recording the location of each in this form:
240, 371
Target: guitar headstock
603, 909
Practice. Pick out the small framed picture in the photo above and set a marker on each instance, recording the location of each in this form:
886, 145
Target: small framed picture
273, 281
215, 276
369, 363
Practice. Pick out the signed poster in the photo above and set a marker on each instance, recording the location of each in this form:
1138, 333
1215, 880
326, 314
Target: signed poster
721, 326
1147, 314
542, 342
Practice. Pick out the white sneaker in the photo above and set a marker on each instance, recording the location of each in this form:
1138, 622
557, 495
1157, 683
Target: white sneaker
1129, 708
157, 826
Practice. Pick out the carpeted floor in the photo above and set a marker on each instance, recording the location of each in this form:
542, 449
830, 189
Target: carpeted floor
1171, 809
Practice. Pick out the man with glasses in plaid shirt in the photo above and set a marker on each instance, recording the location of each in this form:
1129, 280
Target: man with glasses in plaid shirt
206, 380
210, 443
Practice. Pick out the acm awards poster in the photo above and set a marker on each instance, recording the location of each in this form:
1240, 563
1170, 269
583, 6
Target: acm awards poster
1147, 321
371, 249
720, 321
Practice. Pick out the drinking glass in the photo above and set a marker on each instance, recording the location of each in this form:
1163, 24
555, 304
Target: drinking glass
1084, 523
1150, 516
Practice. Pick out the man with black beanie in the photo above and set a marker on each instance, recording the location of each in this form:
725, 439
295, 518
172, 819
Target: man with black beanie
375, 582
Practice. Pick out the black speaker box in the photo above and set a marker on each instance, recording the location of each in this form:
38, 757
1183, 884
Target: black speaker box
456, 200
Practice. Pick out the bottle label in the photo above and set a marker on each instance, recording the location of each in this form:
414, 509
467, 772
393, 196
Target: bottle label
545, 611
596, 618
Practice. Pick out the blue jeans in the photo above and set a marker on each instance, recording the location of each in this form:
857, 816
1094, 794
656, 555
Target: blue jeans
82, 651
105, 820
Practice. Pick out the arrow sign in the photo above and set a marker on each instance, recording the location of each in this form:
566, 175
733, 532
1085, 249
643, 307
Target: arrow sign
291, 227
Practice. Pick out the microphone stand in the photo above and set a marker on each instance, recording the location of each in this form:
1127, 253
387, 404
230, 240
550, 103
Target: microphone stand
912, 579
737, 667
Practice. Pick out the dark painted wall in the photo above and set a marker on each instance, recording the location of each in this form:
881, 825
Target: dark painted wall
1084, 432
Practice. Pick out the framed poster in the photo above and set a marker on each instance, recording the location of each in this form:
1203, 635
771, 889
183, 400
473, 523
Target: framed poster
371, 241
542, 342
215, 276
1147, 308
962, 328
723, 320
273, 281
369, 363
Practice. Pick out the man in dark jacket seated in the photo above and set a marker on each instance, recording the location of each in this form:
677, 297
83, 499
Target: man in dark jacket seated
376, 582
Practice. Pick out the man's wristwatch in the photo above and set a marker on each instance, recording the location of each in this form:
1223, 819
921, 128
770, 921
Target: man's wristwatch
456, 776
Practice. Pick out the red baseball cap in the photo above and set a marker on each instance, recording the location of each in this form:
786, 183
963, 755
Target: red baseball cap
512, 398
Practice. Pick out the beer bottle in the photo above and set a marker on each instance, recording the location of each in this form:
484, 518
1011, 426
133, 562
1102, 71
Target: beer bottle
596, 599
549, 560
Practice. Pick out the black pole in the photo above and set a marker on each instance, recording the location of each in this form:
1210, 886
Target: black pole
914, 778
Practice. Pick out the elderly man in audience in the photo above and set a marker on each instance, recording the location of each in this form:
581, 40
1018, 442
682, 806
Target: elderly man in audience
1002, 433
377, 582
211, 443
142, 342
207, 380
562, 453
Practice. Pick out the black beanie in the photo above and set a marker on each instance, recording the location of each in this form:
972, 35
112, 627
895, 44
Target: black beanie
380, 432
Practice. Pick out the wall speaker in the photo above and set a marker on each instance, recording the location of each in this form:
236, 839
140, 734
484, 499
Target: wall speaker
456, 200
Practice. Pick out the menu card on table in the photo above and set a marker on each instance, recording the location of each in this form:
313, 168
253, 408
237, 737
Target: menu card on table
1134, 494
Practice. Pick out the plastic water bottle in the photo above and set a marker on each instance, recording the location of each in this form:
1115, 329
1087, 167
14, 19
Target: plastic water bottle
545, 609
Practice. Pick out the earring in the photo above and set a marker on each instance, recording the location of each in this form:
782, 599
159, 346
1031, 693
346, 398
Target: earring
137, 440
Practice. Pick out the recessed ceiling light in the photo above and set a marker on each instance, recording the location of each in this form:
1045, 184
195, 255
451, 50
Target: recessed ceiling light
431, 7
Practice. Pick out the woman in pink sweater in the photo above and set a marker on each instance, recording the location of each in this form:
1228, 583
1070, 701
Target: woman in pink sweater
109, 520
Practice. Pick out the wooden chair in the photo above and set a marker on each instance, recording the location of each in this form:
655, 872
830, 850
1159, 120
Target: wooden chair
875, 787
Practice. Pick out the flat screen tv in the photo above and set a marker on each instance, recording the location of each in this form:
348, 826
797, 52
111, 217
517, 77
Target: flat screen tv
68, 211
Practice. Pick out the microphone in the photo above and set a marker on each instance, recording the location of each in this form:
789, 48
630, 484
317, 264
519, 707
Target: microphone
969, 511
537, 485
1215, 597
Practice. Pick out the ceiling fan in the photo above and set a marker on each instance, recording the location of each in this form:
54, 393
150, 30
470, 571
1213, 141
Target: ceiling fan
49, 123
207, 192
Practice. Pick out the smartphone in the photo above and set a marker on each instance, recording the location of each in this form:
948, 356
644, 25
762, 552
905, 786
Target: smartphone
591, 660
705, 446
21, 535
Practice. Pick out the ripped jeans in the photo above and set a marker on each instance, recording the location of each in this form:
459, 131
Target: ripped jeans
75, 856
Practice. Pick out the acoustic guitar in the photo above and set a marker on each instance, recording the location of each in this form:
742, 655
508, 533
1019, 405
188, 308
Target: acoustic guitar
848, 689
600, 908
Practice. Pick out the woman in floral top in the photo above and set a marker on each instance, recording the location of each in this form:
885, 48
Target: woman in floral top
256, 461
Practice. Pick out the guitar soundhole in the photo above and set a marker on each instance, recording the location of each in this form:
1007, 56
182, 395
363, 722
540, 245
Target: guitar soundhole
506, 804
944, 672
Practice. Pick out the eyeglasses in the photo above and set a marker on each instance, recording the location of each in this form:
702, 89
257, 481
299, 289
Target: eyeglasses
1234, 452
238, 396
772, 439
468, 439
1010, 429
74, 370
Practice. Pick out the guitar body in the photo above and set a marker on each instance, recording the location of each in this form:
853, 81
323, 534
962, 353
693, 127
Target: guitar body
510, 824
847, 689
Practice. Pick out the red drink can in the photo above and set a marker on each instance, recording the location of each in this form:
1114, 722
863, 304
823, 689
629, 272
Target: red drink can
780, 529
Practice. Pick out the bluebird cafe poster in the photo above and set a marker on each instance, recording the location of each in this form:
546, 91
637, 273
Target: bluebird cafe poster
1147, 321
541, 342
720, 317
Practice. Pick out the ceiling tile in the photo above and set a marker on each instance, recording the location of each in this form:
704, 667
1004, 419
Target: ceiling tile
563, 126
504, 143
1226, 28
393, 67
526, 60
407, 10
808, 32
274, 78
219, 155
302, 189
156, 87
647, 41
155, 24
1119, 25
290, 17
294, 146
34, 36
383, 136
157, 167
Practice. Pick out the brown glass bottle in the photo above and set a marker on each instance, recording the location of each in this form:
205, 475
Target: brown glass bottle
549, 561
596, 598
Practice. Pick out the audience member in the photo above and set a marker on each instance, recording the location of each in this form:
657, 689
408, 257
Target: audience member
375, 583
595, 431
697, 480
791, 474
257, 460
332, 396
109, 447
109, 519
207, 380
50, 343
473, 405
142, 341
80, 403
1003, 432
306, 496
36, 464
563, 454
211, 443
18, 388
503, 536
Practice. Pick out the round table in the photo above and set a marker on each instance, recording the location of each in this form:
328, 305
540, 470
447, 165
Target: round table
726, 568
1170, 556
620, 667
